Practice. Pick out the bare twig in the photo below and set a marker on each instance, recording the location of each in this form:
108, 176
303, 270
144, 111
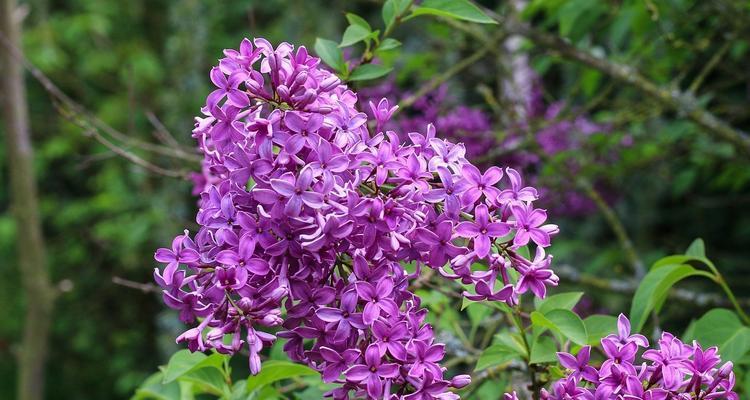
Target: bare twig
615, 224
161, 132
683, 103
143, 287
438, 80
81, 112
130, 156
627, 287
712, 63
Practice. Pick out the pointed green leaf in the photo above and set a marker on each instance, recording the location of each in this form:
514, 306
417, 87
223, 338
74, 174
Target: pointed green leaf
457, 9
543, 350
672, 260
329, 52
369, 71
389, 44
496, 354
207, 380
562, 301
565, 322
354, 34
696, 249
477, 313
355, 19
723, 328
274, 371
654, 288
153, 388
184, 361
391, 9
599, 326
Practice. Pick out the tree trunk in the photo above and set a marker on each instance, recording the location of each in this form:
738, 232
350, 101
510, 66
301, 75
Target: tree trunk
38, 291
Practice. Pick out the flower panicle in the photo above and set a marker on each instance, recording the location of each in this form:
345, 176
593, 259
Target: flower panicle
308, 212
670, 370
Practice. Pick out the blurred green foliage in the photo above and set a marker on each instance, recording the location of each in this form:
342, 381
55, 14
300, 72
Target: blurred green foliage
104, 216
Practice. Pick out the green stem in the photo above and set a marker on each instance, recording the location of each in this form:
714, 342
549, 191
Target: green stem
719, 279
370, 53
515, 316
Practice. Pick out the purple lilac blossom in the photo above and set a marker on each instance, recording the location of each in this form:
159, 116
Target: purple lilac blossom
671, 370
474, 127
310, 213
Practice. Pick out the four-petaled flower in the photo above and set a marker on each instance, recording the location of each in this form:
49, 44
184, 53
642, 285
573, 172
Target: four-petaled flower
482, 230
376, 298
179, 254
579, 364
337, 362
529, 226
475, 184
517, 193
373, 371
297, 191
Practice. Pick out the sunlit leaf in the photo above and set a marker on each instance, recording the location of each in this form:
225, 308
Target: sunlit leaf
354, 34
496, 354
543, 350
274, 371
654, 288
458, 9
599, 326
562, 301
723, 328
330, 53
369, 71
184, 361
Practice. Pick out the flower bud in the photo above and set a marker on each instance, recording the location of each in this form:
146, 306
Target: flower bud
460, 381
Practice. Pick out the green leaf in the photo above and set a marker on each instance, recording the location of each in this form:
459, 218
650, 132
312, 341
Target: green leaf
723, 328
564, 322
577, 16
354, 34
524, 252
355, 19
153, 388
207, 380
389, 44
184, 361
391, 9
329, 52
274, 371
477, 313
599, 326
562, 301
495, 355
458, 9
543, 350
696, 249
239, 390
671, 260
369, 71
590, 81
654, 288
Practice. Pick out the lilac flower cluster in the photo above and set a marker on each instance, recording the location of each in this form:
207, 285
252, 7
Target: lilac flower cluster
673, 370
468, 125
552, 134
310, 216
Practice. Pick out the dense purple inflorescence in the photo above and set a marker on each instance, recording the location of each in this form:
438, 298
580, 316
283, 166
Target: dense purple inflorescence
542, 129
309, 214
673, 370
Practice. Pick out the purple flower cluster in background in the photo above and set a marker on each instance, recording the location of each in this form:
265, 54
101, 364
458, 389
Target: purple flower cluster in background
487, 144
673, 370
310, 214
